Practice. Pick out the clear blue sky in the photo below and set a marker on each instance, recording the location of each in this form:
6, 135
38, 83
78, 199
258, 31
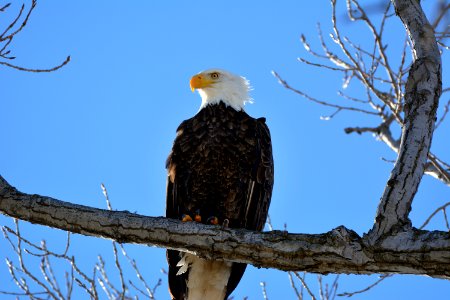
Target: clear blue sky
110, 116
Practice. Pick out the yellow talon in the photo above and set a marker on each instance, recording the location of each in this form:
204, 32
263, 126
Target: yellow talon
186, 218
198, 218
213, 220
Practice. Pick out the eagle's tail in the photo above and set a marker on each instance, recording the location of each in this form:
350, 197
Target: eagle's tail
207, 279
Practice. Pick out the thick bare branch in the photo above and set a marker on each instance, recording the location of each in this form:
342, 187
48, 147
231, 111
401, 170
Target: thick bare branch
338, 251
423, 90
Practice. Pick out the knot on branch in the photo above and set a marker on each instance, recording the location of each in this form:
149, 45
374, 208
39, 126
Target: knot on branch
424, 80
345, 235
349, 244
345, 239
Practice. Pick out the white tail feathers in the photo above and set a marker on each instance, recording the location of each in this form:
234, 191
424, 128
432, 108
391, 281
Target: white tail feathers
183, 263
207, 279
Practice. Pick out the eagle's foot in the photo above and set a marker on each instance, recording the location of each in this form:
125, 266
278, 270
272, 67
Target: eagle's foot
186, 218
198, 217
213, 220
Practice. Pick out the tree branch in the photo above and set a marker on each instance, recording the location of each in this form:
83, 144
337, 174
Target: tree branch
9, 33
422, 92
434, 167
339, 251
65, 62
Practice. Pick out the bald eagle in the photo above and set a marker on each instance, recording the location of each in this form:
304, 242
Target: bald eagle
220, 171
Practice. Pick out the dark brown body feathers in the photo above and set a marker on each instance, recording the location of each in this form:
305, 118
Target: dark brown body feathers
221, 165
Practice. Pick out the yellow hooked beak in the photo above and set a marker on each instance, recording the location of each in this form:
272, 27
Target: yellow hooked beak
199, 81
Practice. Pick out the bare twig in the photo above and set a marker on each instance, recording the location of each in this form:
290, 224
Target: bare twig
302, 280
105, 193
443, 174
334, 287
446, 219
36, 70
294, 287
119, 268
303, 60
69, 283
138, 289
442, 13
350, 294
46, 268
340, 93
377, 37
400, 74
321, 294
327, 118
133, 264
444, 114
3, 35
326, 292
32, 295
391, 161
286, 85
47, 273
263, 288
23, 266
443, 207
4, 7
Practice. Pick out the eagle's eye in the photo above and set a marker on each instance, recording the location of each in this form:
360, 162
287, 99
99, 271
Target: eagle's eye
214, 75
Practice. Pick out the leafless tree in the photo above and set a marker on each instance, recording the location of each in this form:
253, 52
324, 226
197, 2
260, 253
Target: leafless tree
406, 96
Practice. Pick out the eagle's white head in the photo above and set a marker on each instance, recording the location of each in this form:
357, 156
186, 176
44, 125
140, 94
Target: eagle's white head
215, 85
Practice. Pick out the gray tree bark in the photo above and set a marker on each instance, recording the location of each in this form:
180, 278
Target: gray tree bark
423, 89
339, 251
391, 246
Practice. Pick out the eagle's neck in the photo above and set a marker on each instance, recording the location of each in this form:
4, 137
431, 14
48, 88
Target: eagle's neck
233, 97
220, 103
